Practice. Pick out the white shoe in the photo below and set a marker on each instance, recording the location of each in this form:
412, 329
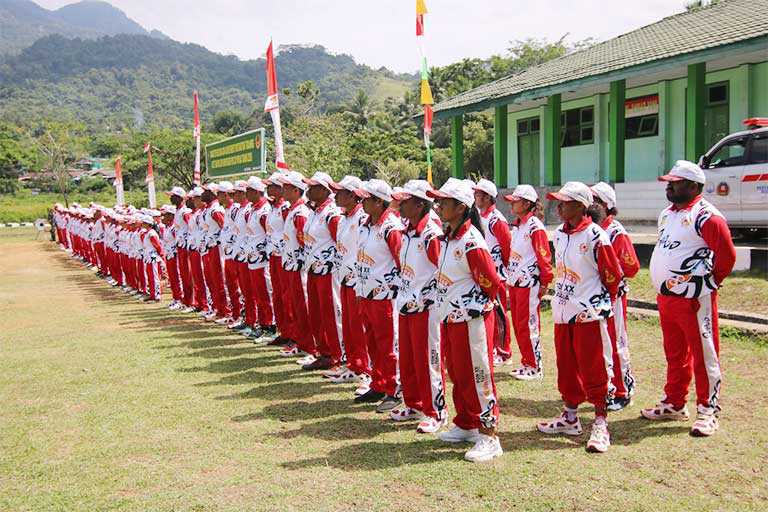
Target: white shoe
706, 423
289, 351
223, 320
430, 425
665, 411
236, 324
600, 439
307, 359
499, 361
364, 384
404, 413
246, 332
346, 376
527, 373
561, 425
485, 449
188, 309
458, 435
210, 316
173, 306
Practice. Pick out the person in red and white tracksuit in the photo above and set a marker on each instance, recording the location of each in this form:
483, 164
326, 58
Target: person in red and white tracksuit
422, 375
378, 269
212, 223
227, 250
347, 237
181, 230
603, 212
275, 245
529, 275
293, 260
467, 287
256, 248
97, 239
170, 252
320, 233
693, 256
151, 254
499, 240
587, 279
196, 247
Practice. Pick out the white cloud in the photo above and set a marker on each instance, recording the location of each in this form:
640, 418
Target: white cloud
382, 32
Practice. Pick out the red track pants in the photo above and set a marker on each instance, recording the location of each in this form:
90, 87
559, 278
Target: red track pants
172, 267
322, 316
232, 280
249, 298
214, 277
257, 279
101, 256
585, 363
692, 347
421, 366
140, 271
524, 304
298, 329
353, 332
280, 294
198, 280
182, 262
379, 326
152, 272
468, 350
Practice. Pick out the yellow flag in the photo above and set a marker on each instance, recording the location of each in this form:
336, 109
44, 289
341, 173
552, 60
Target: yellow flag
421, 7
426, 93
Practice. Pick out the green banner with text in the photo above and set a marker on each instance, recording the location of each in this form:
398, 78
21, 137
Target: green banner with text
241, 154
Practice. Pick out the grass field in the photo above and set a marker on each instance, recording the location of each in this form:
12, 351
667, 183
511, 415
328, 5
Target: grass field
108, 404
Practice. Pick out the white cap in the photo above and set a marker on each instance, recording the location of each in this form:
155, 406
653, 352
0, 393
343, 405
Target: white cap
522, 192
213, 187
226, 187
294, 178
350, 183
240, 186
377, 188
145, 218
454, 188
486, 186
276, 178
320, 178
414, 188
153, 213
606, 194
573, 191
255, 184
685, 170
168, 208
196, 192
176, 191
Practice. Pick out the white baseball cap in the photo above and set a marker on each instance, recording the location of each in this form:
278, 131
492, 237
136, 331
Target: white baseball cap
226, 187
523, 192
176, 191
256, 184
413, 188
276, 178
320, 178
454, 188
606, 194
146, 219
685, 170
294, 178
240, 186
213, 187
377, 188
350, 183
196, 192
487, 186
573, 191
168, 208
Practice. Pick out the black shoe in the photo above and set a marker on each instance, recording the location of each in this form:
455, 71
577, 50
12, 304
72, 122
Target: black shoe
369, 397
618, 403
256, 333
269, 329
279, 341
321, 363
389, 403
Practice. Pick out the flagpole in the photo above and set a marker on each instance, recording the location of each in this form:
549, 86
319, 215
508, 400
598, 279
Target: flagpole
150, 176
272, 105
119, 192
196, 177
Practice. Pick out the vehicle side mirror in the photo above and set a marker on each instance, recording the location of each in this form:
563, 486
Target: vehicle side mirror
704, 162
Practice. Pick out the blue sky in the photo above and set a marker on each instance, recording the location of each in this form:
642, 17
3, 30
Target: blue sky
381, 32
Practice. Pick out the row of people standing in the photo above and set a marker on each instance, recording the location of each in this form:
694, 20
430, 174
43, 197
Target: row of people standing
386, 288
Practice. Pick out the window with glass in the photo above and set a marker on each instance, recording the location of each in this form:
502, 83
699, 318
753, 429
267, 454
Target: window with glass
577, 127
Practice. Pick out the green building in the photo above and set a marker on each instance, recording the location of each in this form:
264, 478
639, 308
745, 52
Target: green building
684, 83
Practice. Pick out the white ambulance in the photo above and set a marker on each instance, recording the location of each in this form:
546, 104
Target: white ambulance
737, 178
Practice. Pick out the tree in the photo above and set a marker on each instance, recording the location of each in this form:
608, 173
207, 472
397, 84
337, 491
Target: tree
15, 155
58, 154
229, 122
397, 172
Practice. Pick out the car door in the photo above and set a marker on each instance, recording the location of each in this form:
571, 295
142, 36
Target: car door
754, 183
724, 167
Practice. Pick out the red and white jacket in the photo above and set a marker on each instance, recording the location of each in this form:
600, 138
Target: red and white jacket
588, 273
378, 257
181, 226
467, 280
498, 238
530, 260
695, 251
275, 227
213, 222
239, 231
625, 251
196, 233
255, 244
293, 236
152, 248
168, 239
347, 238
320, 234
228, 234
419, 258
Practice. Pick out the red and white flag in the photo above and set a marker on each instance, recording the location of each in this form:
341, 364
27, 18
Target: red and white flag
272, 105
196, 133
119, 191
150, 176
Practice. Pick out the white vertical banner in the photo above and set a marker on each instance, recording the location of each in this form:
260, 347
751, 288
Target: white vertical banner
150, 176
119, 191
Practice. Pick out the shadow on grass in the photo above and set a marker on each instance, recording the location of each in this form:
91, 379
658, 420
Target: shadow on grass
301, 411
345, 428
288, 391
523, 407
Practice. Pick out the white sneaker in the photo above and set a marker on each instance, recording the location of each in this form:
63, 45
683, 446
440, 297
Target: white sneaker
485, 449
346, 376
600, 439
560, 425
404, 413
706, 423
364, 384
527, 373
430, 425
236, 324
665, 411
458, 435
289, 351
173, 306
188, 309
307, 359
223, 320
246, 332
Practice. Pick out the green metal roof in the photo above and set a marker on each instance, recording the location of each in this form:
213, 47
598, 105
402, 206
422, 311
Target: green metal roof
700, 33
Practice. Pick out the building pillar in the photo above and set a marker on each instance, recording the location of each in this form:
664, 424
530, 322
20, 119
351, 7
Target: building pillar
500, 146
457, 146
616, 131
694, 117
552, 135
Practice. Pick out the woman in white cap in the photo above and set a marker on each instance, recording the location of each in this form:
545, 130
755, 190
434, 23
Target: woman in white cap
227, 241
347, 237
170, 252
194, 244
181, 230
152, 254
378, 269
275, 244
421, 364
530, 272
603, 212
499, 240
213, 222
467, 285
587, 281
